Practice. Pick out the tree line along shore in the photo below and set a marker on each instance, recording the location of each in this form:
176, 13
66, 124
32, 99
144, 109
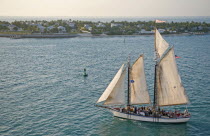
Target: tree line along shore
72, 28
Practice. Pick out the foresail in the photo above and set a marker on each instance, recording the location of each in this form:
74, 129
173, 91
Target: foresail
117, 96
114, 93
160, 44
169, 86
139, 91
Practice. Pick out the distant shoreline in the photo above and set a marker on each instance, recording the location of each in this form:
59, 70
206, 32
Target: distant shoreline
77, 28
19, 36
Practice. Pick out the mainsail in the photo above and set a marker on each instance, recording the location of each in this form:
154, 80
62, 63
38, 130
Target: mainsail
114, 93
139, 92
170, 90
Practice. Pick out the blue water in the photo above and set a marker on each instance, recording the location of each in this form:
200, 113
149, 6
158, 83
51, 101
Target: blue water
109, 19
43, 92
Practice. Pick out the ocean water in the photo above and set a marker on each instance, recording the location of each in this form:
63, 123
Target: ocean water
43, 92
109, 19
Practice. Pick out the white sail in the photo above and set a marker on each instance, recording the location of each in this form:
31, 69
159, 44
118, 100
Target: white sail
170, 90
139, 92
160, 44
114, 93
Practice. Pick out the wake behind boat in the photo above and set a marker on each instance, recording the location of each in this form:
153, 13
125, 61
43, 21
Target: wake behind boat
168, 89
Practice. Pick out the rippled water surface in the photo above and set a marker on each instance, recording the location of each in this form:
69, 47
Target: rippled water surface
109, 19
43, 92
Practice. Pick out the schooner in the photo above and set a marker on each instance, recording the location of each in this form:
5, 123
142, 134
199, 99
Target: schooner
168, 89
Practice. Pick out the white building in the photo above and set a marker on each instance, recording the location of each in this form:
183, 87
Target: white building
33, 24
73, 30
143, 31
61, 29
100, 25
88, 27
50, 27
161, 30
41, 28
172, 31
200, 28
193, 29
115, 25
72, 24
20, 29
11, 27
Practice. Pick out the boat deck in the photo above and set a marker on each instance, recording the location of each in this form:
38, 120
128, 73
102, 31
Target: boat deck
146, 115
138, 117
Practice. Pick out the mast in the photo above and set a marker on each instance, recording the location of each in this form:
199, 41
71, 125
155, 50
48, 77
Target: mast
128, 100
155, 89
155, 86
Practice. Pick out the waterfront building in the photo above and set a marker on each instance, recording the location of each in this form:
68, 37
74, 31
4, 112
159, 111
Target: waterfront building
50, 28
161, 30
115, 25
172, 31
12, 27
88, 27
72, 24
33, 24
41, 28
193, 29
100, 25
20, 29
200, 28
143, 31
61, 29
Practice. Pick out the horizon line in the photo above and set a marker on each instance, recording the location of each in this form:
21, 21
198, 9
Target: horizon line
105, 16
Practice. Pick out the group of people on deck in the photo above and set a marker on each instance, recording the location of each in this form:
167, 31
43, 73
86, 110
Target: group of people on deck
150, 112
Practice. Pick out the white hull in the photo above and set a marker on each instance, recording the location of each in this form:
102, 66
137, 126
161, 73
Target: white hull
148, 119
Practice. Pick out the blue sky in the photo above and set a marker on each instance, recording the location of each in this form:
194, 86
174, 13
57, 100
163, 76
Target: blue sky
105, 8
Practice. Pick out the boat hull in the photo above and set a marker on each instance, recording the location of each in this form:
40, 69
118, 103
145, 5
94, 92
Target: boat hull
148, 119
